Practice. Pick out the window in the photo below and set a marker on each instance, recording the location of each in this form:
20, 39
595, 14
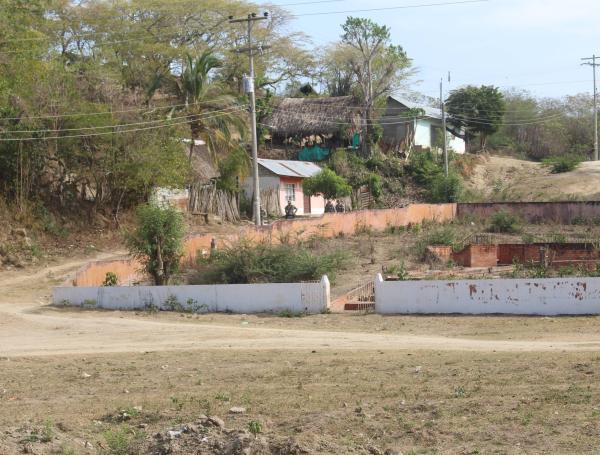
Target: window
290, 192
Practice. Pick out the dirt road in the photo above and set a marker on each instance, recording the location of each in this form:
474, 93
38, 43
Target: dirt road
28, 327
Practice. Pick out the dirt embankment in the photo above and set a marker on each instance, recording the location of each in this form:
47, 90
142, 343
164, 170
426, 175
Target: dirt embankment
498, 178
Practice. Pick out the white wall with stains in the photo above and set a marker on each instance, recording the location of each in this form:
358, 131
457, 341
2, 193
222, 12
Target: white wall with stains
554, 296
307, 297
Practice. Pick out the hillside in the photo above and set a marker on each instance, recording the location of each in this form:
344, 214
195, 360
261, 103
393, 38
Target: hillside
497, 178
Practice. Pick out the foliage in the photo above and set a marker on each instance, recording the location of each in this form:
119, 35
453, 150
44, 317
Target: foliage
377, 66
268, 263
373, 182
255, 427
476, 111
157, 241
327, 183
109, 89
444, 189
539, 128
560, 164
232, 169
264, 108
122, 440
207, 102
440, 235
427, 171
111, 279
504, 222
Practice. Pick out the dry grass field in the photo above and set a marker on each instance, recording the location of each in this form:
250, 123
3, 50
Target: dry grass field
94, 382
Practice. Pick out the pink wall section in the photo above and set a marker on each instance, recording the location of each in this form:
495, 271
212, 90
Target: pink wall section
328, 225
317, 203
299, 202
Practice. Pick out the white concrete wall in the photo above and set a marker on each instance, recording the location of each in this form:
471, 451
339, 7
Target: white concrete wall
456, 144
423, 133
554, 296
236, 298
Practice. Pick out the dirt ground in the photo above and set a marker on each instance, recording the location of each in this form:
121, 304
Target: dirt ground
519, 180
88, 382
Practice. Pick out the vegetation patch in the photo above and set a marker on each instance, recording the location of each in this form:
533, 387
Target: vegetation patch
561, 164
504, 222
265, 262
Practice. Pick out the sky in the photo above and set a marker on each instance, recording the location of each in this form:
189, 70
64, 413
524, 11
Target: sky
534, 45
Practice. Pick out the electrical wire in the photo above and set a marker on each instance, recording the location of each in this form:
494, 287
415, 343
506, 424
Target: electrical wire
103, 133
86, 114
99, 127
388, 8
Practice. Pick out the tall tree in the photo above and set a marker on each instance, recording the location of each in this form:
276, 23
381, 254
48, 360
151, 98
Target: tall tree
379, 66
476, 111
213, 113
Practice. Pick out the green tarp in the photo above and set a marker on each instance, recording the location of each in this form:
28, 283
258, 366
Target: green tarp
314, 153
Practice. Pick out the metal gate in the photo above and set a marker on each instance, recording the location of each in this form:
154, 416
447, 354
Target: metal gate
361, 298
313, 295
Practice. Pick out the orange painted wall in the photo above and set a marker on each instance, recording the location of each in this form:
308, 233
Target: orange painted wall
328, 225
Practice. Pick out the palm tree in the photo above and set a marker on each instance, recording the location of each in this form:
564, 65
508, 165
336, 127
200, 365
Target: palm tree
214, 114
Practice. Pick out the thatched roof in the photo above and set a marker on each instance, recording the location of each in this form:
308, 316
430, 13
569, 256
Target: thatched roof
203, 164
307, 116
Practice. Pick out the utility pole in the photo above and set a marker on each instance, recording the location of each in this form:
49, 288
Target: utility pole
249, 88
591, 61
443, 109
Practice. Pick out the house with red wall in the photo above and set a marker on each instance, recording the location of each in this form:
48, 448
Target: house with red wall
280, 181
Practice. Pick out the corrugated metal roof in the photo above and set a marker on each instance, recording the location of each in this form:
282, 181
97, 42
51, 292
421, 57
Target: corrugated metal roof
290, 168
431, 112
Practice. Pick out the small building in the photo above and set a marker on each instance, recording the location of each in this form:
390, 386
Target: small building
408, 125
309, 129
281, 181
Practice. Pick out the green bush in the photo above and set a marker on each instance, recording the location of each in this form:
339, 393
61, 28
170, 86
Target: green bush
327, 183
111, 279
445, 189
424, 167
504, 222
564, 163
157, 241
267, 263
122, 440
442, 235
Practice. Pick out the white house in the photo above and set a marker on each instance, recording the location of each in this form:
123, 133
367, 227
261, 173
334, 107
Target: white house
403, 131
281, 181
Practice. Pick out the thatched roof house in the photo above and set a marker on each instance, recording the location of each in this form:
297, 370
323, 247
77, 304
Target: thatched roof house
301, 117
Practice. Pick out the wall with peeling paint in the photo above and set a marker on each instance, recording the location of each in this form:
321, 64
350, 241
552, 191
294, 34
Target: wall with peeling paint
548, 297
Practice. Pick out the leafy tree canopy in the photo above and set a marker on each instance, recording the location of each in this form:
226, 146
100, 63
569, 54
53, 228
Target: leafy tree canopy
327, 183
476, 111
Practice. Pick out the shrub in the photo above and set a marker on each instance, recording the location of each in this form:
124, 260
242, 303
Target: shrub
122, 440
267, 263
504, 222
327, 183
373, 181
564, 163
444, 235
157, 241
110, 279
445, 189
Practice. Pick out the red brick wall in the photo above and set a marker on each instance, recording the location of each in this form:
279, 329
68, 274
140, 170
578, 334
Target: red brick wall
483, 255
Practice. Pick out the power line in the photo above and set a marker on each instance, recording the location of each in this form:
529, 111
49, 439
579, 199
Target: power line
86, 114
389, 8
103, 133
147, 122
